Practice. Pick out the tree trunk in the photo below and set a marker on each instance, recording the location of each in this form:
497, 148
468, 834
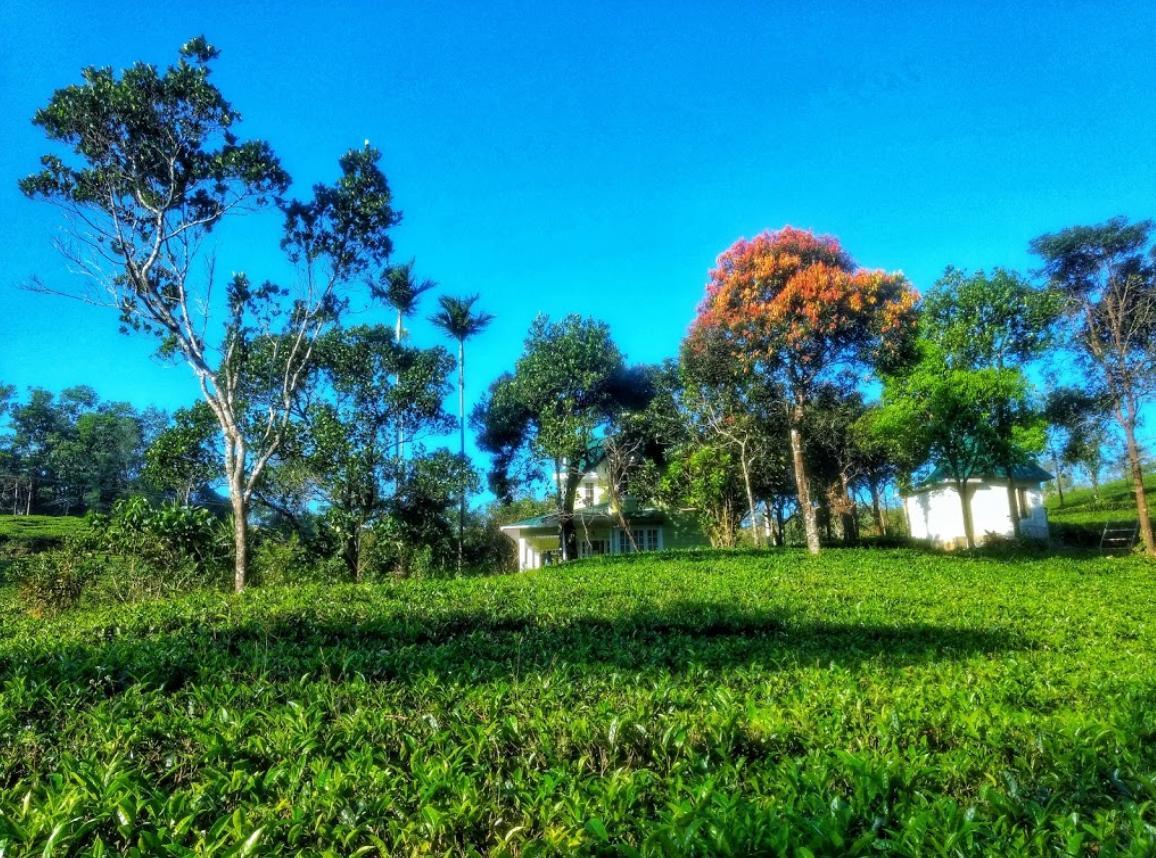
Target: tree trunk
351, 554
397, 381
965, 503
568, 534
569, 537
1013, 504
235, 469
240, 533
847, 515
876, 512
780, 527
1059, 478
462, 440
1138, 487
750, 499
802, 489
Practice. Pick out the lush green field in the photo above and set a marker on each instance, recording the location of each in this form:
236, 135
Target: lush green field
864, 702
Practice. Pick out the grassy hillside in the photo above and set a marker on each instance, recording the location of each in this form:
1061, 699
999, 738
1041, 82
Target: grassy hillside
21, 534
866, 701
33, 527
1081, 520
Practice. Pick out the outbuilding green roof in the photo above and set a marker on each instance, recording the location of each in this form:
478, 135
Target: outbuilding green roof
1029, 472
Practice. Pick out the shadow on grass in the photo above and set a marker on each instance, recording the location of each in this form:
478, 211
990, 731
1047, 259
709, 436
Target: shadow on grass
483, 647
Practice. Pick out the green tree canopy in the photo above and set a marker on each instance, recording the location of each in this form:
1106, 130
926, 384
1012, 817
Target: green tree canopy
1107, 276
563, 393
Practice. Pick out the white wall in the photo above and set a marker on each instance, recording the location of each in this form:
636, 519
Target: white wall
935, 514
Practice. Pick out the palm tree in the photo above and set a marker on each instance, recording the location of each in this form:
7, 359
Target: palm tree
458, 319
398, 289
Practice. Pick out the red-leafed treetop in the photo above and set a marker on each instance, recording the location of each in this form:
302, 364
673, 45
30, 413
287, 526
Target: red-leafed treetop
794, 303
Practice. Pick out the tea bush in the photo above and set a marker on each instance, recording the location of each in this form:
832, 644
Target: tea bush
862, 702
163, 535
137, 552
53, 581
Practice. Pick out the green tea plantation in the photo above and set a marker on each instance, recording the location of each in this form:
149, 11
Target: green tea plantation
865, 702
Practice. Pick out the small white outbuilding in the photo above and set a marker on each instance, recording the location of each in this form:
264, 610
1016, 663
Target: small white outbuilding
935, 514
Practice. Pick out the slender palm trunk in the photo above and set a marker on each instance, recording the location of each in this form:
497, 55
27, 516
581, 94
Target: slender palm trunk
397, 381
462, 443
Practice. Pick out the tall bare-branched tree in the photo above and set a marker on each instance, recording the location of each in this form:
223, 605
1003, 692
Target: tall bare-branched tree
1107, 275
154, 166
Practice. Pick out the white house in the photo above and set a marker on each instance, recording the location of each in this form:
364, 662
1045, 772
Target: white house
935, 514
599, 527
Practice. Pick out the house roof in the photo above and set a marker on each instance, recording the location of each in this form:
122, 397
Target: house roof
1029, 472
597, 514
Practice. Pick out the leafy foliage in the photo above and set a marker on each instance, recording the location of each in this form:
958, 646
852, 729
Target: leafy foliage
138, 551
154, 167
1106, 274
70, 452
183, 458
566, 388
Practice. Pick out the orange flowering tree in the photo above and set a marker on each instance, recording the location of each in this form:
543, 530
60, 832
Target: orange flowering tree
793, 307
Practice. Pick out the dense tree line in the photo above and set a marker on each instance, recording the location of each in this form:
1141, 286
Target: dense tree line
70, 453
762, 421
323, 431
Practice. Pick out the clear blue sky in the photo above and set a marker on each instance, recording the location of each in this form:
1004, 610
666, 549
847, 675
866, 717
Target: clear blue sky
596, 157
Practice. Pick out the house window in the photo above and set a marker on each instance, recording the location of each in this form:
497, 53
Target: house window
588, 494
645, 539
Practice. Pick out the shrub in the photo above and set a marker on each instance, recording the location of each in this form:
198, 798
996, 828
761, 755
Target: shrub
136, 552
166, 535
54, 581
127, 578
389, 550
281, 561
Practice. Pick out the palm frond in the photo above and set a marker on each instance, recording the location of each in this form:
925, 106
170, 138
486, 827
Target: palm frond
458, 318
